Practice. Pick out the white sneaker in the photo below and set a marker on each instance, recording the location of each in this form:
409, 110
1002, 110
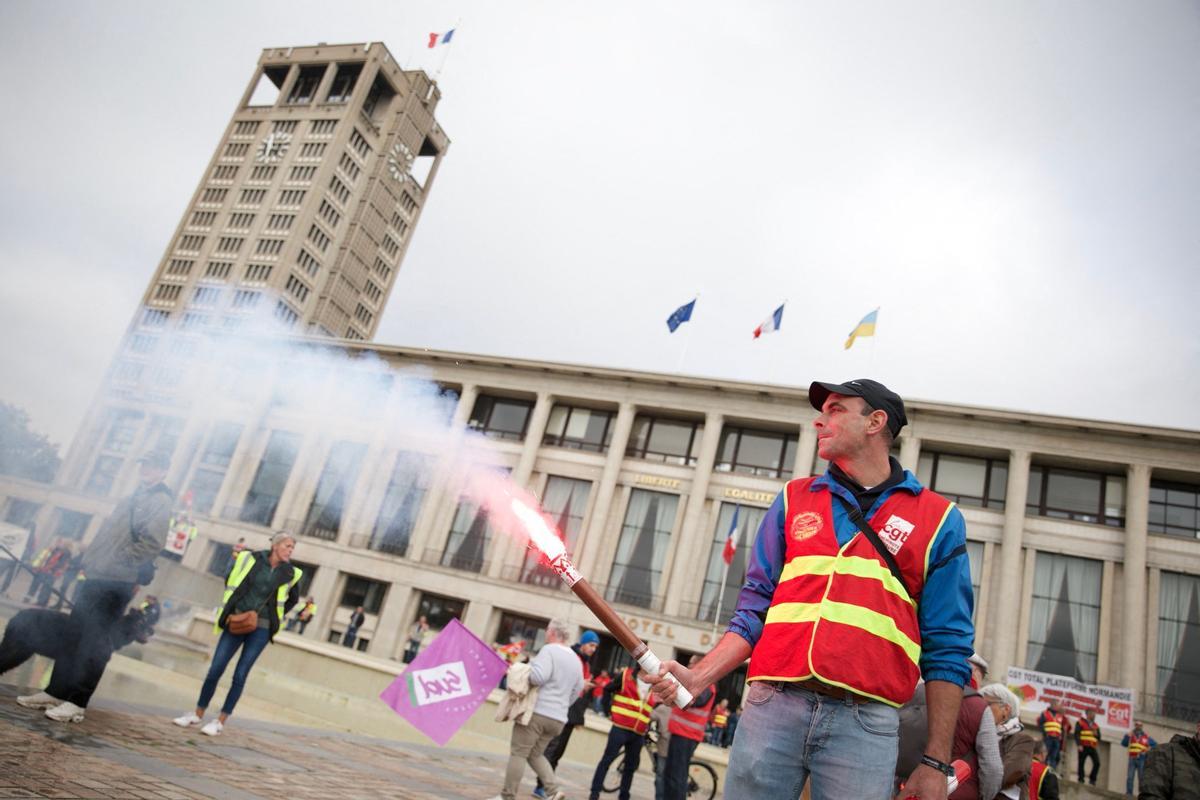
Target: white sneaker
187, 720
66, 712
213, 728
39, 700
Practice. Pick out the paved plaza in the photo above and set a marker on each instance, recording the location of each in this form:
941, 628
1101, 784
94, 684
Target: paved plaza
129, 751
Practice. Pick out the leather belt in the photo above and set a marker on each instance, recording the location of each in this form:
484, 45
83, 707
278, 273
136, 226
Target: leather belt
836, 692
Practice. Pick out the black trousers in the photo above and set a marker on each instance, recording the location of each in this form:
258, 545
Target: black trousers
99, 606
1084, 754
679, 753
619, 739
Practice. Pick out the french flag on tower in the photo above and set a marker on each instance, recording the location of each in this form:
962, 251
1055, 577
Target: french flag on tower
771, 323
731, 541
440, 38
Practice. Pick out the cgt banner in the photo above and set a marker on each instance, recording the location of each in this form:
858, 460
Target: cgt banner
446, 683
1114, 706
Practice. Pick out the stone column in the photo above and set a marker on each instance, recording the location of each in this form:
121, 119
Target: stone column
806, 451
1133, 629
504, 550
391, 617
593, 534
1007, 625
322, 589
910, 452
424, 533
691, 551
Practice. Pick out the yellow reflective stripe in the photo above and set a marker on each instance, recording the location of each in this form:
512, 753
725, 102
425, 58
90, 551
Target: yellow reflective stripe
872, 622
793, 612
872, 569
932, 539
806, 565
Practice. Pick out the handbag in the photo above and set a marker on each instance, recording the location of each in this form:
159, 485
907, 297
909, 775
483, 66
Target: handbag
242, 623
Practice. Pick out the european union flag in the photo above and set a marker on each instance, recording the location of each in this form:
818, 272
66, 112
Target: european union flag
681, 315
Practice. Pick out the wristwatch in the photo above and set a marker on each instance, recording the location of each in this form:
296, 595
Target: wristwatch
940, 766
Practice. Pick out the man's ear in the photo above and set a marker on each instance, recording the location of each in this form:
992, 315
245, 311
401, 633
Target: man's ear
878, 421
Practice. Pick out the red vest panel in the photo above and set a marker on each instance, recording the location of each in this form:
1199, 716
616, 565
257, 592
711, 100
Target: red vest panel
838, 613
690, 722
629, 711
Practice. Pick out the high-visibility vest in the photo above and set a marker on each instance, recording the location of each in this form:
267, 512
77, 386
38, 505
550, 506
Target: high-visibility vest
1037, 775
1139, 743
629, 710
40, 558
241, 568
720, 720
838, 613
1052, 724
691, 722
1087, 733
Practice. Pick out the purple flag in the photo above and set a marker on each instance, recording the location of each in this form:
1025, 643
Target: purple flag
444, 685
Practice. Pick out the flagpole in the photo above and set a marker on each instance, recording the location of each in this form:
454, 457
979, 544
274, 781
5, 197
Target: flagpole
446, 56
720, 600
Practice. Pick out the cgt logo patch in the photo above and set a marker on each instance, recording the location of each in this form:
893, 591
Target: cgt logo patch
806, 525
895, 533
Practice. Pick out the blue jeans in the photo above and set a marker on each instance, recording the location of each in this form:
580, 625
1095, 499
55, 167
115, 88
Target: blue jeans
787, 734
1053, 750
619, 739
252, 645
1136, 765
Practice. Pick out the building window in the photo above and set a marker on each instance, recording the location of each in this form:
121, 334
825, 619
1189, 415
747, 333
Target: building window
642, 549
340, 191
749, 518
1077, 495
205, 295
306, 85
259, 273
469, 537
564, 502
104, 475
72, 524
1178, 674
285, 313
671, 441
360, 145
438, 610
1175, 509
164, 433
270, 478
324, 518
246, 299
975, 556
155, 318
579, 428
500, 417
214, 461
291, 197
122, 430
1064, 624
307, 263
756, 452
350, 169
967, 480
363, 592
401, 504
220, 559
322, 127
530, 631
21, 512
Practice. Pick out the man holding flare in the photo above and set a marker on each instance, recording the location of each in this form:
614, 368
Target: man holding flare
859, 585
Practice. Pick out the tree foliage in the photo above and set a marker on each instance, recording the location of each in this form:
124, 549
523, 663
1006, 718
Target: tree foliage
24, 452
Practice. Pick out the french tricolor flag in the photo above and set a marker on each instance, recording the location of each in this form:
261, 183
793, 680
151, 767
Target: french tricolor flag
771, 323
440, 38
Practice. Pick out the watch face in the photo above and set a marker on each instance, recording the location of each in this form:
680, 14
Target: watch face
273, 147
400, 161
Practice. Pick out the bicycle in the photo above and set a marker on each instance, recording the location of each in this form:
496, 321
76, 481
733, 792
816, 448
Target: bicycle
702, 778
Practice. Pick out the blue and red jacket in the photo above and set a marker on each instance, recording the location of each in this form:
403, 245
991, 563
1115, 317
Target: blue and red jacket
944, 614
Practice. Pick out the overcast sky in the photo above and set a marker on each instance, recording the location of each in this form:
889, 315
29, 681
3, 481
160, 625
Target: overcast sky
1016, 185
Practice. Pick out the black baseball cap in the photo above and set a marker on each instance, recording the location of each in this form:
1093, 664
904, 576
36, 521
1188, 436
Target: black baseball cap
877, 396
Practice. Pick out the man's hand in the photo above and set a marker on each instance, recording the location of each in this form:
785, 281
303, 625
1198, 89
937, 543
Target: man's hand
925, 783
664, 688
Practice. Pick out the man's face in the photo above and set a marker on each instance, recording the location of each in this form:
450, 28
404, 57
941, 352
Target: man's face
589, 648
283, 550
841, 427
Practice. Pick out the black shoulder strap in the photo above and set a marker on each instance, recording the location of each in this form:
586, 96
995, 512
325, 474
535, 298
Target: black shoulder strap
857, 516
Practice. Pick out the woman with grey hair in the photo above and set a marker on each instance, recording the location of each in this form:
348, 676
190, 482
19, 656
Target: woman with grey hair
260, 589
1016, 745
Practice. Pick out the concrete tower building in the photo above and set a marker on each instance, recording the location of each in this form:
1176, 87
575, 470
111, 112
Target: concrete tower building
307, 206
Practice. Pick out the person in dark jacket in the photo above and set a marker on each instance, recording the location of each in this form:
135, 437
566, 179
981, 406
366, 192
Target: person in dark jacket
115, 563
1173, 770
357, 618
262, 584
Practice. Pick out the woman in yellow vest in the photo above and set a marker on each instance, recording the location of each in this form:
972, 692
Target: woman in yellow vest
260, 590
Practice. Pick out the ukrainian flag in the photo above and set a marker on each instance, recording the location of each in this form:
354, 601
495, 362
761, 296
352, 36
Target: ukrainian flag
864, 328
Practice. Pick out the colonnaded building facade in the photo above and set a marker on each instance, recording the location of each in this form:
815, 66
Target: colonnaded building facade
1082, 534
